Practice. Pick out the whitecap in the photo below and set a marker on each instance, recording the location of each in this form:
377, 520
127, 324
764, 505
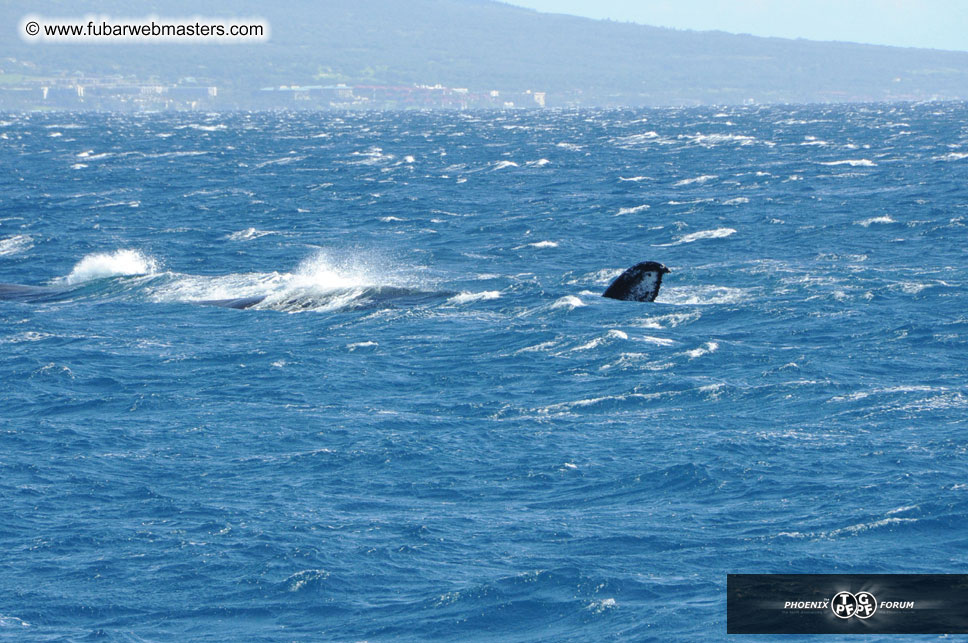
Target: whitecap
952, 156
300, 579
813, 140
15, 244
715, 139
320, 283
671, 320
633, 210
163, 155
659, 341
465, 297
12, 621
697, 179
544, 244
702, 295
248, 234
852, 163
568, 301
853, 529
503, 164
600, 606
868, 222
204, 128
285, 160
537, 348
644, 137
902, 509
705, 349
592, 401
28, 336
598, 341
718, 233
111, 264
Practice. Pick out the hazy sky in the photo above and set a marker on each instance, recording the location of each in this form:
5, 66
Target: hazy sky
938, 24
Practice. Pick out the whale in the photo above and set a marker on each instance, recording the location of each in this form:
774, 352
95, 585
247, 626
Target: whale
365, 297
641, 282
41, 294
20, 292
239, 304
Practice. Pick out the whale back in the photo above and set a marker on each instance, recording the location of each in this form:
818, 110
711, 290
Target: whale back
641, 282
18, 292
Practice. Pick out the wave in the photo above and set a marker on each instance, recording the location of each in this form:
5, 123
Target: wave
868, 222
701, 295
639, 139
248, 234
611, 335
852, 163
568, 301
716, 139
464, 297
203, 128
320, 283
503, 164
120, 263
633, 210
697, 179
952, 156
12, 621
718, 233
705, 349
16, 244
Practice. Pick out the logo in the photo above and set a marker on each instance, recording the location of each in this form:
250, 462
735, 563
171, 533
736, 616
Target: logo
847, 605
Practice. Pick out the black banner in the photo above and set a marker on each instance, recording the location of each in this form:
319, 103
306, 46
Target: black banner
847, 604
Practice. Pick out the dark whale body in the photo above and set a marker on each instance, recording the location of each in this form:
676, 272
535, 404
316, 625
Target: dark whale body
18, 292
239, 304
641, 282
40, 294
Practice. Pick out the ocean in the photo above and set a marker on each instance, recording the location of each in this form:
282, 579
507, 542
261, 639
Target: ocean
432, 426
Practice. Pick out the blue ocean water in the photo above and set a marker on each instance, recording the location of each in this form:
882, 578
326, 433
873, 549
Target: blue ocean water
433, 427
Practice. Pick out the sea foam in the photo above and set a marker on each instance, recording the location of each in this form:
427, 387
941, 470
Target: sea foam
120, 263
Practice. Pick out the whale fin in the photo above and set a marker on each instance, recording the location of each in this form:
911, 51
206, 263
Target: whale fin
639, 283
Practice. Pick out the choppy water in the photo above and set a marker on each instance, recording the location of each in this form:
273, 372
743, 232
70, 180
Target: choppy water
434, 426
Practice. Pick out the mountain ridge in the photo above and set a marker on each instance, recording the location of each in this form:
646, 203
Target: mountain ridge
487, 45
